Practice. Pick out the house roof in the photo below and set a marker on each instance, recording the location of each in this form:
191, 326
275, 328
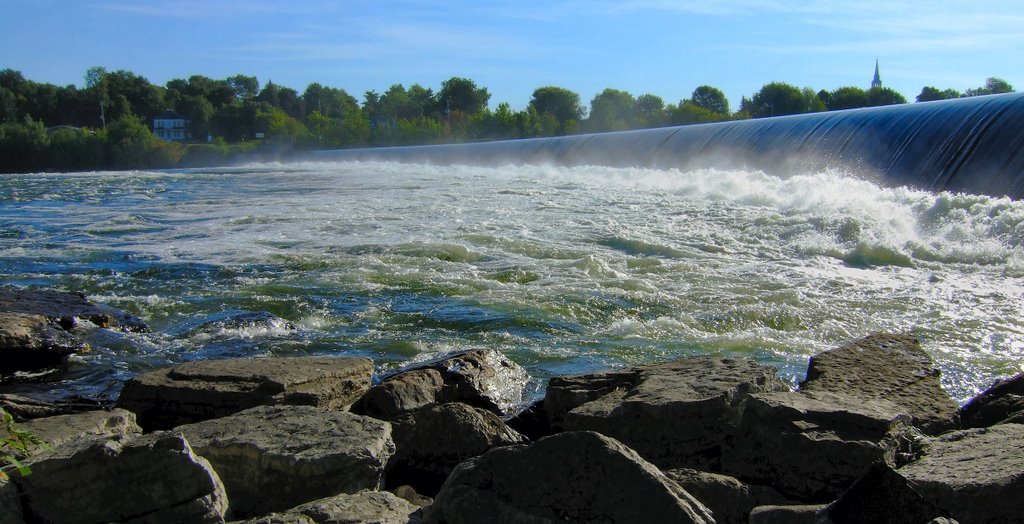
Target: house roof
169, 115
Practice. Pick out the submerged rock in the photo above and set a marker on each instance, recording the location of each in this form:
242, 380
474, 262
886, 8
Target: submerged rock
432, 441
272, 458
210, 389
483, 378
1001, 403
154, 478
675, 414
887, 367
367, 507
576, 477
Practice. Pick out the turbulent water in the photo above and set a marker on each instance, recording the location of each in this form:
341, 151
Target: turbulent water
565, 270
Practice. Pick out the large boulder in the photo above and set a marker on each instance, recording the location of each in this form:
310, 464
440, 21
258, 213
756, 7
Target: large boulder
29, 341
156, 478
675, 414
432, 441
272, 458
209, 389
976, 475
882, 496
812, 446
66, 309
889, 367
729, 499
61, 429
575, 477
483, 378
795, 514
10, 503
366, 507
1003, 402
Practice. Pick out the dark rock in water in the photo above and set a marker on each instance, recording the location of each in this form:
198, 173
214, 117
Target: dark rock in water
367, 507
155, 478
432, 441
675, 414
729, 499
882, 496
29, 342
483, 378
66, 308
532, 422
886, 367
813, 446
208, 389
272, 458
800, 514
976, 475
254, 320
570, 477
1001, 403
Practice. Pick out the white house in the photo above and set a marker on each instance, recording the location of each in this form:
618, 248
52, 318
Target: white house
170, 126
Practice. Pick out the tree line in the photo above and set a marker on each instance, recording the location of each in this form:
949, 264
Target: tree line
107, 123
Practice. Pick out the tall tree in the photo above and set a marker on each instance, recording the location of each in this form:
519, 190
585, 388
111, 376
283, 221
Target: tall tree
993, 86
462, 95
562, 103
776, 99
245, 87
846, 98
711, 99
612, 110
930, 94
650, 111
884, 96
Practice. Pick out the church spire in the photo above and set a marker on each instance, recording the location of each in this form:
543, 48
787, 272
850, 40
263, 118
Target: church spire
877, 81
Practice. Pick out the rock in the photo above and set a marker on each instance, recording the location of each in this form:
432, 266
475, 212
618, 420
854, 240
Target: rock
410, 494
562, 478
976, 475
800, 514
483, 378
532, 422
367, 507
675, 414
29, 342
728, 499
812, 446
432, 441
208, 389
261, 321
403, 393
25, 408
1003, 402
61, 429
886, 367
10, 503
272, 458
66, 308
882, 496
154, 478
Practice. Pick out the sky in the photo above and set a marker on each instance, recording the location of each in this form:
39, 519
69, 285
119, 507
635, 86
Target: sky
662, 47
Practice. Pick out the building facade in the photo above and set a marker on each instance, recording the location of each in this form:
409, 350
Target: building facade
170, 126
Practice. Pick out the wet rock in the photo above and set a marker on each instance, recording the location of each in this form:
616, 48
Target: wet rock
65, 309
1003, 402
209, 389
483, 378
812, 446
26, 408
675, 414
29, 342
432, 441
886, 366
799, 514
565, 477
272, 458
154, 478
532, 422
251, 320
62, 429
976, 475
729, 499
367, 507
882, 496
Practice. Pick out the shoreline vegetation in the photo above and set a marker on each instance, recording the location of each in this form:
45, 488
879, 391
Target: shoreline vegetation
108, 123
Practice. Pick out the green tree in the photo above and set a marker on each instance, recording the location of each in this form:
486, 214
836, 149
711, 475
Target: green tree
711, 99
884, 96
462, 95
993, 86
931, 94
559, 102
133, 145
776, 99
846, 98
23, 146
687, 112
245, 87
612, 110
649, 111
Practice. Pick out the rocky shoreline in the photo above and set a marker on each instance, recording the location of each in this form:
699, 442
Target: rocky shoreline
869, 436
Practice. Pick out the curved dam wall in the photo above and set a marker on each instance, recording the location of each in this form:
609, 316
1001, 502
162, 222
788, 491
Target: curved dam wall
973, 145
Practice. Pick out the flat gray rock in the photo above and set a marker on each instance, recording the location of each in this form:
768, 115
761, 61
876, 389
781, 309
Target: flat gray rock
62, 429
433, 440
977, 475
782, 514
675, 414
812, 446
209, 389
366, 507
889, 367
154, 478
272, 458
570, 477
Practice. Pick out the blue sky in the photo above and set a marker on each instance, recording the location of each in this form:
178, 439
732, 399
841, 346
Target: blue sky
662, 47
